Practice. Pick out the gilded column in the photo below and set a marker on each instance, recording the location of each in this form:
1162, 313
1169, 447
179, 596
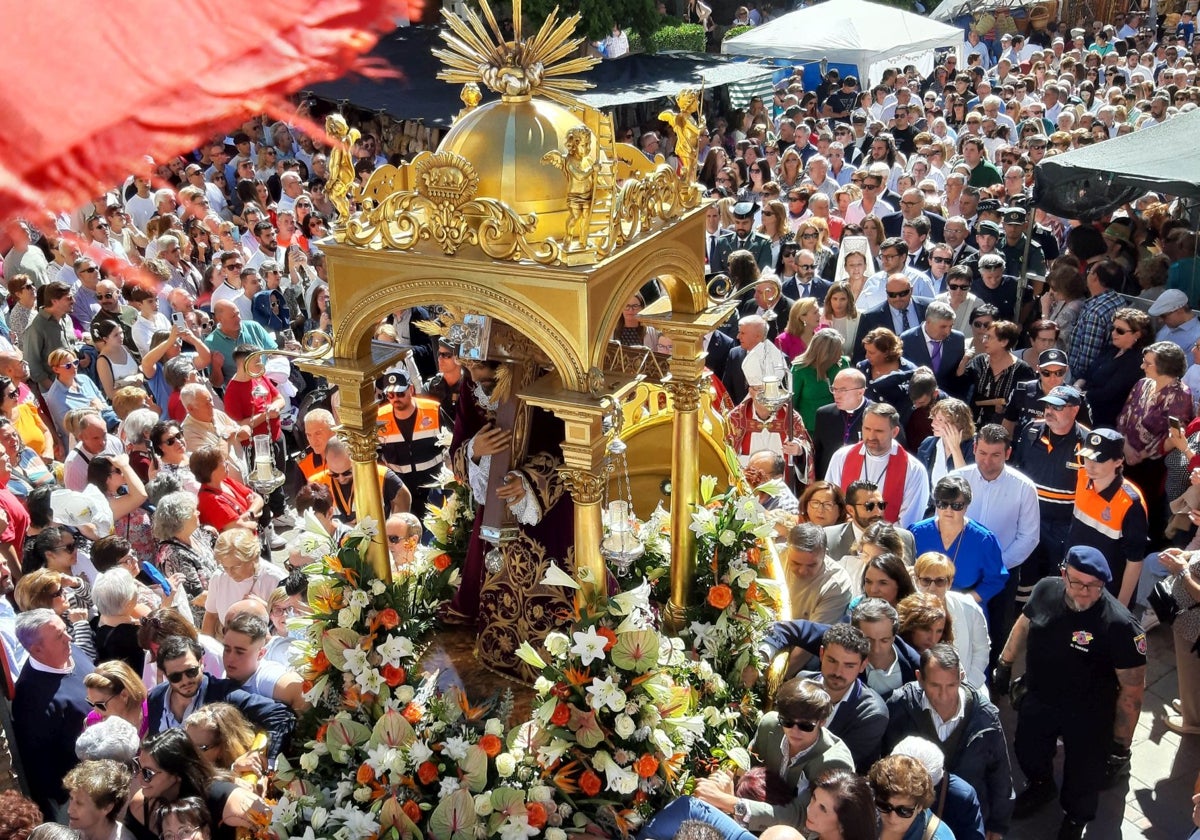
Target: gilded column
358, 412
587, 492
685, 493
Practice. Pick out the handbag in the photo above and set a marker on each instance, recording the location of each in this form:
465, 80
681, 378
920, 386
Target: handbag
1162, 601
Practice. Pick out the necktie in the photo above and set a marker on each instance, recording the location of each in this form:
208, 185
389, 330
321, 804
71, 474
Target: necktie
935, 355
712, 250
904, 325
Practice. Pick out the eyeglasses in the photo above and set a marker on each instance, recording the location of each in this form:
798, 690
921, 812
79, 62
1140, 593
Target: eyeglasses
102, 706
186, 673
867, 186
890, 255
809, 235
394, 539
234, 266
848, 390
91, 270
68, 546
145, 772
445, 354
940, 260
958, 287
937, 581
57, 593
806, 267
172, 440
898, 295
106, 296
1121, 331
802, 725
822, 505
981, 325
955, 506
872, 506
28, 287
1047, 374
1080, 586
342, 474
902, 811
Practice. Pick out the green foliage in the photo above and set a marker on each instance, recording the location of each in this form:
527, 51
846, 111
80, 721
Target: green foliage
597, 16
734, 31
682, 36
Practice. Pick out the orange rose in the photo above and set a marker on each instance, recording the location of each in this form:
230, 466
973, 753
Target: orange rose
389, 618
752, 593
589, 783
646, 766
491, 745
411, 810
441, 562
427, 773
752, 555
535, 812
609, 635
561, 714
320, 663
365, 774
392, 675
321, 731
412, 713
720, 596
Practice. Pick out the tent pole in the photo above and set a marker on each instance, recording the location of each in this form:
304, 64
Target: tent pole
1022, 281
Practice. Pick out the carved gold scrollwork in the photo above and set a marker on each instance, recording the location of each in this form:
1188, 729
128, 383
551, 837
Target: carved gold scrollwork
363, 446
684, 395
587, 488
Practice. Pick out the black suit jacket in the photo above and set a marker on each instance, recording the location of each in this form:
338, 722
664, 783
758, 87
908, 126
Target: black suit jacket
919, 261
894, 221
830, 434
774, 325
953, 349
965, 253
817, 288
734, 378
880, 316
860, 721
758, 245
719, 345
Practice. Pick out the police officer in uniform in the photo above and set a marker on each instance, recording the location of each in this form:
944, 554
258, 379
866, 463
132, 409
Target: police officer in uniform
1085, 677
1110, 512
447, 383
409, 429
743, 237
1025, 405
1012, 246
1047, 452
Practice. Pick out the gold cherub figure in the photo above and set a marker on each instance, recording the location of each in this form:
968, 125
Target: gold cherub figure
581, 181
341, 166
687, 124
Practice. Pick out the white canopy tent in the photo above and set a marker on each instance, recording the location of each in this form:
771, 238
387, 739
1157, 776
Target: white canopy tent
950, 9
870, 36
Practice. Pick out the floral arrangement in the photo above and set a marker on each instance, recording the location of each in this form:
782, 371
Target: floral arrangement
451, 523
733, 603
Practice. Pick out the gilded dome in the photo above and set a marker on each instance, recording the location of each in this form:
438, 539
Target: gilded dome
505, 141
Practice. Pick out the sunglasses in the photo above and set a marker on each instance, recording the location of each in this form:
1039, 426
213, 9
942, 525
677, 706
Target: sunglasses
187, 673
955, 506
807, 268
443, 354
902, 811
1121, 331
802, 725
172, 440
897, 295
1046, 374
70, 546
872, 506
343, 474
28, 286
102, 706
808, 235
940, 260
937, 581
145, 772
395, 540
57, 593
959, 287
88, 271
981, 325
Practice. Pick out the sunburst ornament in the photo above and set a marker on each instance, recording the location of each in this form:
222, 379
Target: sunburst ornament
479, 52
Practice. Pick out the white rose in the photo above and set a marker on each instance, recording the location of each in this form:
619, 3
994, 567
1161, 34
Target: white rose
555, 834
319, 816
378, 587
727, 538
309, 762
624, 726
506, 765
494, 727
483, 804
404, 694
541, 793
542, 685
347, 617
359, 599
362, 794
557, 644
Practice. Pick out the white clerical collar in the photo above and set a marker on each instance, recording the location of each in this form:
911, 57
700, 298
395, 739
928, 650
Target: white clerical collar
42, 666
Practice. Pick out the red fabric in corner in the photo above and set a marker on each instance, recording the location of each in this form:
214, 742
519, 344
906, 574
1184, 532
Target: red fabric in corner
93, 87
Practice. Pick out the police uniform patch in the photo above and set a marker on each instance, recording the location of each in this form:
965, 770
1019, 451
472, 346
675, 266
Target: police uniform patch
1139, 642
1082, 637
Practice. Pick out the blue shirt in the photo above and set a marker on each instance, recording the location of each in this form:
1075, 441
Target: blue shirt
975, 553
250, 333
60, 399
1185, 335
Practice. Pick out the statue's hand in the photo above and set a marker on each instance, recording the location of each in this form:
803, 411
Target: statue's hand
512, 490
490, 440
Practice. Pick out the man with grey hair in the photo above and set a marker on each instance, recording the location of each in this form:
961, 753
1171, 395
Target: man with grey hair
819, 590
292, 188
49, 707
206, 425
752, 331
995, 287
935, 344
817, 169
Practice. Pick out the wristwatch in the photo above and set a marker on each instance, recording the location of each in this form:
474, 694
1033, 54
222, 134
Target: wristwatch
741, 811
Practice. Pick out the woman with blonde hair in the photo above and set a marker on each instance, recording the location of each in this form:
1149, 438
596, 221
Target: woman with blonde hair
884, 354
224, 738
813, 234
804, 319
725, 205
116, 690
952, 444
924, 621
934, 573
814, 369
841, 312
243, 573
791, 169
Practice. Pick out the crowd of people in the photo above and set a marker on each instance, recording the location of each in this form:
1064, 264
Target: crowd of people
974, 426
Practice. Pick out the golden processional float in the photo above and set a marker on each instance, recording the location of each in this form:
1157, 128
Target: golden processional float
531, 226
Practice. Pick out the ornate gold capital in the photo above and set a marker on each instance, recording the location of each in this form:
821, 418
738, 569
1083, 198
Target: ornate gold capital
363, 446
684, 395
587, 488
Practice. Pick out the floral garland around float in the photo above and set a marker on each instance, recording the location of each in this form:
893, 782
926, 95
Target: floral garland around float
449, 524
